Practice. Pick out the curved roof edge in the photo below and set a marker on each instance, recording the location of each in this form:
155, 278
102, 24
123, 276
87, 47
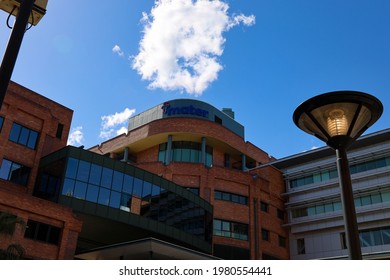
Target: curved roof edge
188, 108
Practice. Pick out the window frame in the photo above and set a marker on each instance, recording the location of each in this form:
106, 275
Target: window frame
24, 136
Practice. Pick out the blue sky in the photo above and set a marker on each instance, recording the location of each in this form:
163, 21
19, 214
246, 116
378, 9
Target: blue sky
107, 60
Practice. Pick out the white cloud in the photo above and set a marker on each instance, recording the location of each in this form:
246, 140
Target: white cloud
182, 42
76, 137
117, 49
122, 130
111, 123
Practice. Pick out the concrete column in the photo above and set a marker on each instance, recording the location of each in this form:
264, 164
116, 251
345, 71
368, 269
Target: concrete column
168, 155
126, 154
243, 161
203, 151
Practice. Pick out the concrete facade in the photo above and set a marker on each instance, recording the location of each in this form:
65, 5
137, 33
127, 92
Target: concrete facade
315, 218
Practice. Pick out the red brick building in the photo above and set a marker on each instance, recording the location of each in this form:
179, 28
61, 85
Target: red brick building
32, 126
203, 149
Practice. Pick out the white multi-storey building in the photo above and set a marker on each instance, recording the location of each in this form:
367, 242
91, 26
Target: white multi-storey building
313, 203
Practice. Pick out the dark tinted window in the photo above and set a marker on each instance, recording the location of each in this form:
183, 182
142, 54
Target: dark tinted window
23, 136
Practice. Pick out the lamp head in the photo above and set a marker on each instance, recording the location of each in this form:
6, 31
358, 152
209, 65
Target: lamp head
38, 11
338, 118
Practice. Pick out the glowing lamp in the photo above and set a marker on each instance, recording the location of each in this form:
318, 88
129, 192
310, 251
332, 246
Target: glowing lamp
339, 118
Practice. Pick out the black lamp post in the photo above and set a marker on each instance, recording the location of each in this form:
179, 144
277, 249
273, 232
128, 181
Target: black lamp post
25, 11
339, 118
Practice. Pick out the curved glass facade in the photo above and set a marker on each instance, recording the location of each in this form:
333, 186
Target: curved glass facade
103, 181
186, 151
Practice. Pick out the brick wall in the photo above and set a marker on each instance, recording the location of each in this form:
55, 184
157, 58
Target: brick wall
265, 184
43, 115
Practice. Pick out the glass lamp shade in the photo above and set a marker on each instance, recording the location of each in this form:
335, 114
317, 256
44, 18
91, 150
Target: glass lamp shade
338, 118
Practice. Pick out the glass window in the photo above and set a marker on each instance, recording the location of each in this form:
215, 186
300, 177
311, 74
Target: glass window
329, 207
68, 188
381, 163
155, 194
280, 214
1, 122
317, 177
244, 200
137, 189
301, 246
343, 240
225, 196
54, 235
106, 177
117, 181
147, 191
264, 234
23, 136
209, 159
60, 129
104, 196
308, 180
325, 176
371, 165
92, 193
365, 239
186, 155
128, 184
95, 174
53, 185
32, 140
161, 156
80, 190
195, 156
231, 229
264, 206
333, 174
297, 213
115, 199
358, 202
385, 235
385, 196
361, 167
311, 211
14, 172
366, 200
5, 169
235, 198
282, 241
320, 209
225, 226
387, 161
125, 202
376, 198
218, 195
377, 237
83, 171
71, 169
176, 155
42, 232
337, 206
293, 184
15, 131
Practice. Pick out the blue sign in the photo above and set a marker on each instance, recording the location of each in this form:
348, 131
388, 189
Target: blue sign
184, 110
